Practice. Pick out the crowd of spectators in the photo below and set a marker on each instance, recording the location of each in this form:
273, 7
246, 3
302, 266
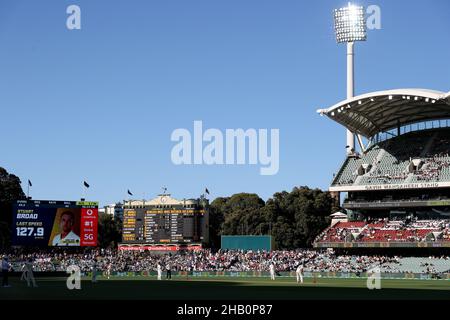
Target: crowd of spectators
394, 166
384, 230
326, 260
202, 260
432, 167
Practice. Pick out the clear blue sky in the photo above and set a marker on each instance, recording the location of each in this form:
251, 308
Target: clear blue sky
99, 104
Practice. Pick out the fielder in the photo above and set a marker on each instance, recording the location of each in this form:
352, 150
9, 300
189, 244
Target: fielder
94, 271
23, 277
299, 273
159, 270
28, 274
272, 271
108, 270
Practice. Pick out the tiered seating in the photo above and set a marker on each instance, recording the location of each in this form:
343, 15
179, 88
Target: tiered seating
348, 173
386, 235
376, 225
350, 225
386, 231
390, 160
418, 265
341, 231
433, 170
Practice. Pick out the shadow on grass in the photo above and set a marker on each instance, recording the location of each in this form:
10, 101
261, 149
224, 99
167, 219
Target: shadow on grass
205, 290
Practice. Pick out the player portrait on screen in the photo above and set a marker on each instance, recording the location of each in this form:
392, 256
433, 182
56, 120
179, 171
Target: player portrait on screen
68, 235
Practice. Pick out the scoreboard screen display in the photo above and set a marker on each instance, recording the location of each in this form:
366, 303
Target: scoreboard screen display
54, 223
159, 226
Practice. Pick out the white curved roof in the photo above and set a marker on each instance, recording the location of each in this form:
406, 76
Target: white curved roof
379, 111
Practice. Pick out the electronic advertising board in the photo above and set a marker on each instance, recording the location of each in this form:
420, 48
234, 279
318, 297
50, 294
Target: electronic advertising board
54, 223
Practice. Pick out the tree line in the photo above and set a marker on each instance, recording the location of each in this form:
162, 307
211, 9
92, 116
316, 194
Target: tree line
293, 219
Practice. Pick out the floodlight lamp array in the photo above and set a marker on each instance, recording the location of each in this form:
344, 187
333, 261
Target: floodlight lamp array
349, 24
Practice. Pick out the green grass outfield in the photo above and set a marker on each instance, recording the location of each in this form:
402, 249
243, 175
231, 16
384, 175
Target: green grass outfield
219, 288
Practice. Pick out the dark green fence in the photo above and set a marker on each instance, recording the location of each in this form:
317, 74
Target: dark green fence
246, 243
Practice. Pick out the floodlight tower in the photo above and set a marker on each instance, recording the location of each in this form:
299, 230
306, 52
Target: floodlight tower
350, 26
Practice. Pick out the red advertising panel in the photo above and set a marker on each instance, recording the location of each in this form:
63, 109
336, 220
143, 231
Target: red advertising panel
159, 248
89, 222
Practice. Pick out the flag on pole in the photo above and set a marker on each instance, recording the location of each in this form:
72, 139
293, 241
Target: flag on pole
86, 184
29, 183
206, 190
129, 192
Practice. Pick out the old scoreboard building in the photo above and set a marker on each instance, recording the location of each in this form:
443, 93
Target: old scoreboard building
165, 224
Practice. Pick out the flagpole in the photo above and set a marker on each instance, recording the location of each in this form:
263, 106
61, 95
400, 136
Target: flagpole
84, 191
85, 187
129, 194
29, 184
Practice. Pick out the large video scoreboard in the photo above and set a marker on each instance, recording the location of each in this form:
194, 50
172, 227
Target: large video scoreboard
160, 223
55, 223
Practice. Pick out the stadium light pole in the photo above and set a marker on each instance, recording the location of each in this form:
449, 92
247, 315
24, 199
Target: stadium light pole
350, 26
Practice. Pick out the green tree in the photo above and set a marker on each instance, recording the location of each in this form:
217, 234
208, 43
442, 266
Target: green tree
302, 214
242, 214
109, 231
293, 218
216, 219
10, 191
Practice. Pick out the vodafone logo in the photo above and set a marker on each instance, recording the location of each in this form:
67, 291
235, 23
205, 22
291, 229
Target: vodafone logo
89, 212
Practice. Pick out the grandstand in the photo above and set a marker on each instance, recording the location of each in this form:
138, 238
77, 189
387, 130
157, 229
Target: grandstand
388, 231
397, 185
410, 158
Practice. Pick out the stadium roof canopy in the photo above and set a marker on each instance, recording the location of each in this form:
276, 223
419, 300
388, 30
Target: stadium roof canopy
381, 111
